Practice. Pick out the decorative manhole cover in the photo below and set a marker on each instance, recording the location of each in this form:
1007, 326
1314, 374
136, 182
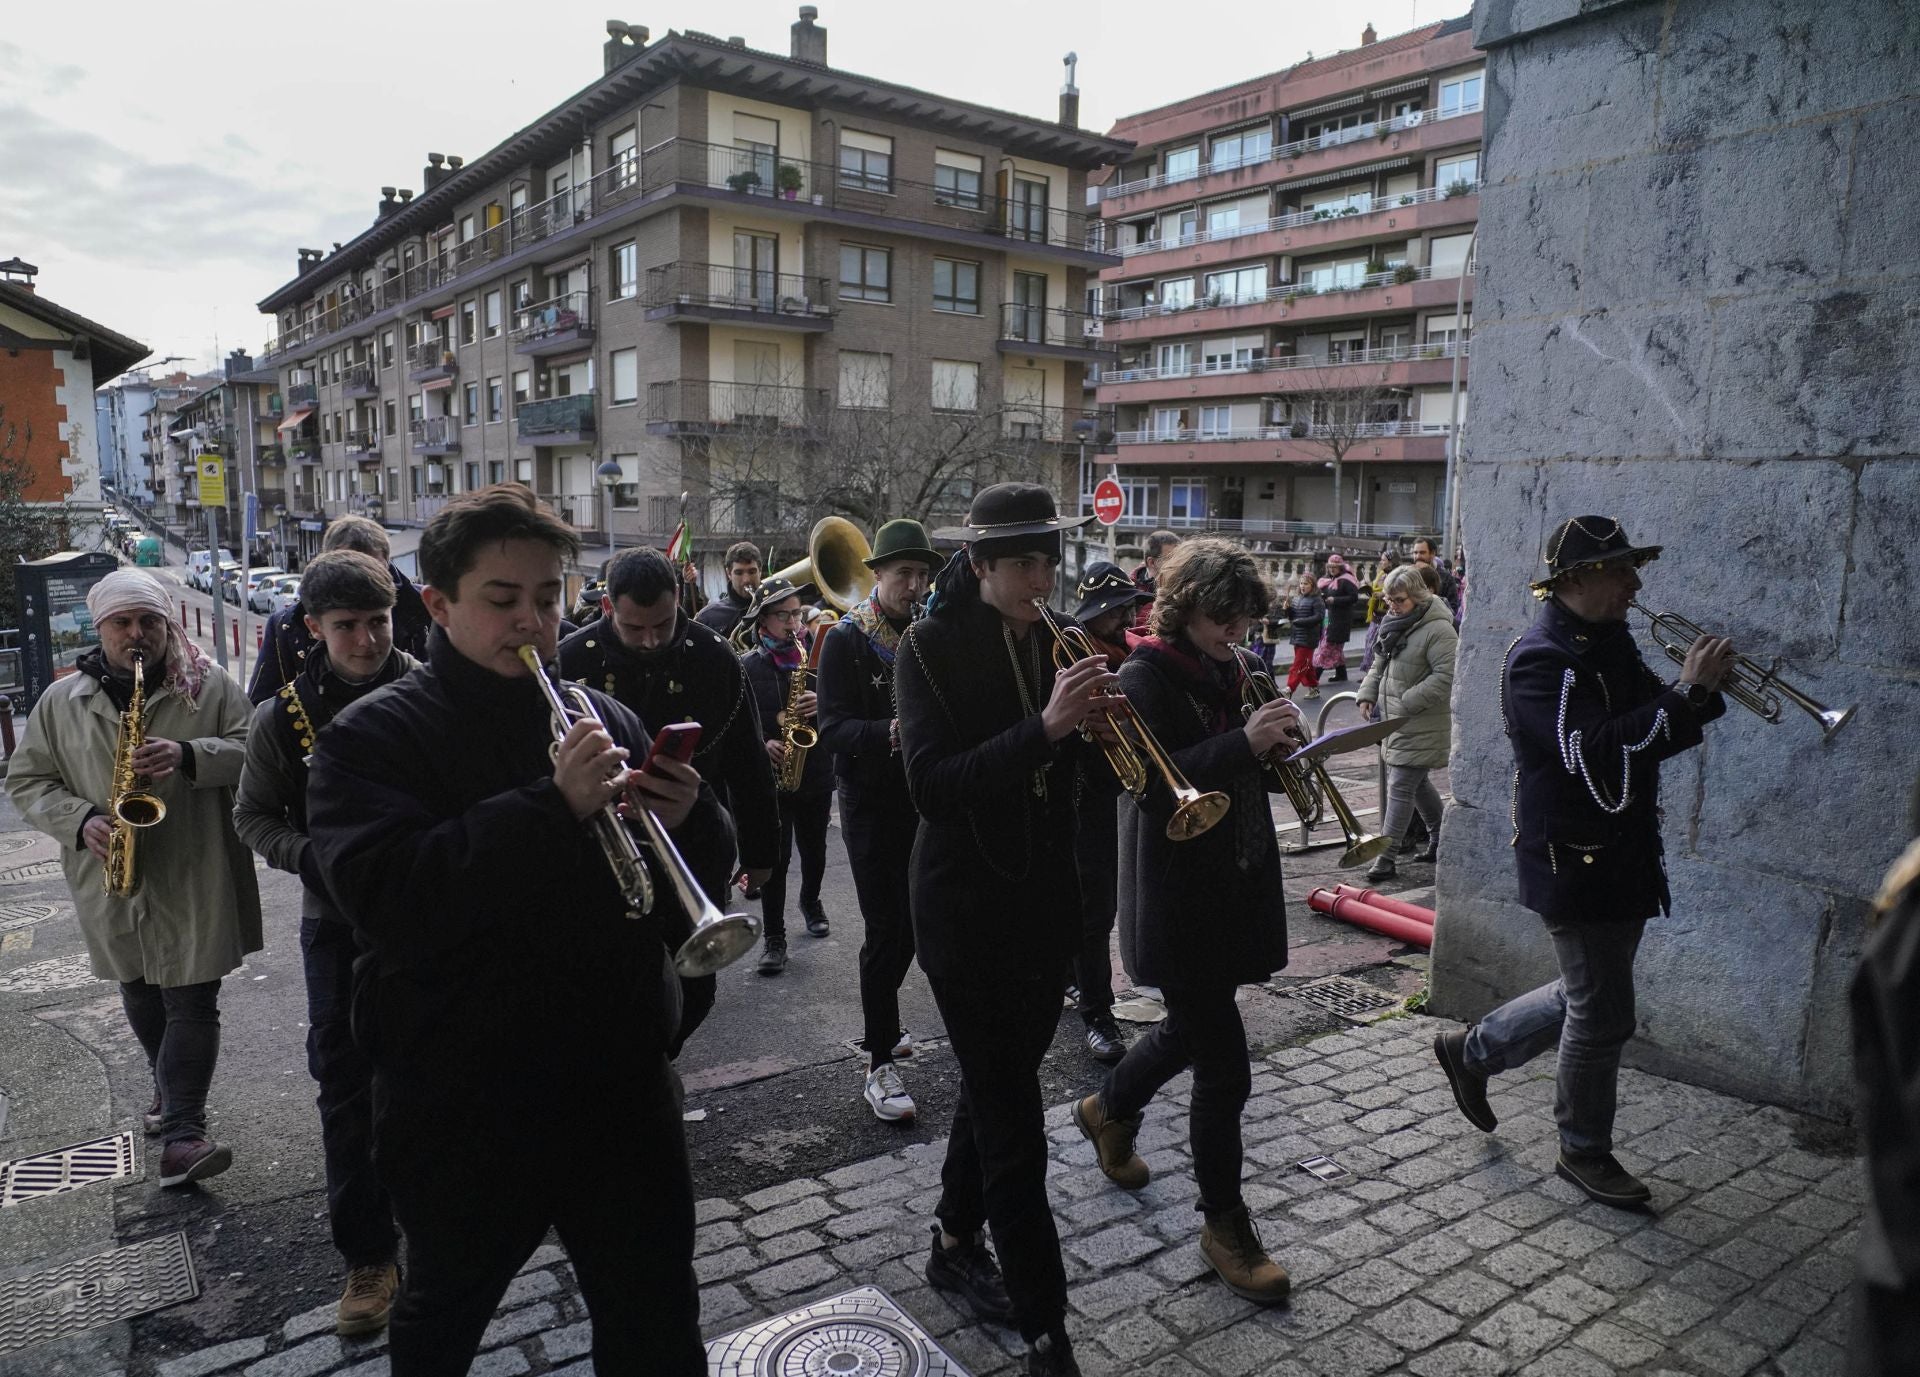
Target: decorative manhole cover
859, 1334
92, 1291
61, 973
1346, 997
67, 1169
17, 841
27, 874
24, 915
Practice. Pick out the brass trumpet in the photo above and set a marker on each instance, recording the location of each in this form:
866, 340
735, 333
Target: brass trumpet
1193, 811
1308, 786
1757, 690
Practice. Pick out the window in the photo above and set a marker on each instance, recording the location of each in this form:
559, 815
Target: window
469, 322
1215, 423
1142, 496
866, 161
413, 335
865, 379
1235, 355
956, 286
496, 400
1174, 360
956, 385
1241, 148
626, 492
1446, 329
1187, 499
492, 308
623, 270
623, 371
416, 408
1237, 284
386, 348
1462, 169
1448, 254
522, 294
390, 411
1334, 277
756, 150
956, 179
1335, 129
1169, 421
472, 468
866, 274
1176, 293
522, 382
470, 413
1183, 164
623, 152
496, 471
1460, 96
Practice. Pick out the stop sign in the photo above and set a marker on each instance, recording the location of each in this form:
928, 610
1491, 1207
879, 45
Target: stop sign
1109, 502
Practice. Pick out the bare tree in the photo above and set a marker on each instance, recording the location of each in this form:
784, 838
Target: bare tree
1334, 409
28, 530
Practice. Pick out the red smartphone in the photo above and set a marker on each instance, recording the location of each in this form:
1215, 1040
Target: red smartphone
676, 741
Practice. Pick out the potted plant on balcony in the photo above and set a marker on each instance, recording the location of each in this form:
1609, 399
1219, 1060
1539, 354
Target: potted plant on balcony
1376, 266
1323, 214
1405, 273
744, 181
787, 178
1407, 200
1458, 188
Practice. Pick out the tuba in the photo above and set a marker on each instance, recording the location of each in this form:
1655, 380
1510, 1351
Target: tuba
131, 807
799, 737
835, 563
1308, 786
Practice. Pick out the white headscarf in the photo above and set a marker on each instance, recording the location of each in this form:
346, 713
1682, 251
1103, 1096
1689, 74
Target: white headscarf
135, 590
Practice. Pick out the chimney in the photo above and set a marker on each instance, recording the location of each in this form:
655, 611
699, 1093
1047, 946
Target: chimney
238, 362
387, 204
1367, 35
309, 259
1070, 94
17, 272
809, 39
405, 194
624, 43
435, 171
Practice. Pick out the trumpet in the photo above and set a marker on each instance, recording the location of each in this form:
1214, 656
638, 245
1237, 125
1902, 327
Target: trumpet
1193, 811
717, 939
1308, 786
1758, 690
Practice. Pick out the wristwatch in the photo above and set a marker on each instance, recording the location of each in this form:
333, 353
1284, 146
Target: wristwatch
1697, 695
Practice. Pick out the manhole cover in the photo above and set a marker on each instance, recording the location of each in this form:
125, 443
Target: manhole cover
67, 1169
61, 973
859, 1334
97, 1290
27, 874
1346, 997
18, 841
24, 915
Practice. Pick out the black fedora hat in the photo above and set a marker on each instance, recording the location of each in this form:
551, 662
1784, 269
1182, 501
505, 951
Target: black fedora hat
1589, 542
1104, 587
1011, 509
775, 590
903, 538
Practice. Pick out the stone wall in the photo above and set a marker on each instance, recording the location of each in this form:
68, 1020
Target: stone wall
1699, 309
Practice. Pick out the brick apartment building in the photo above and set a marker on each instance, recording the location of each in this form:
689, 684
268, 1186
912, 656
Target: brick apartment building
709, 254
1293, 249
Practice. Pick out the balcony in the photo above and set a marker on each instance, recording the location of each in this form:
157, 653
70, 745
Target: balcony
362, 444
1058, 425
1327, 224
1375, 294
272, 456
1404, 365
303, 394
1382, 442
701, 293
563, 325
1058, 332
435, 435
361, 383
431, 361
690, 406
557, 421
276, 406
304, 452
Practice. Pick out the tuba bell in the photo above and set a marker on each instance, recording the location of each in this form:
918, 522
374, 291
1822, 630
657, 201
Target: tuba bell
835, 563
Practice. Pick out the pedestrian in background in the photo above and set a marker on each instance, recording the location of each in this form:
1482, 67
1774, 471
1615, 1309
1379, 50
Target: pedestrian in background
1306, 615
1412, 678
1341, 592
723, 614
1146, 577
1377, 606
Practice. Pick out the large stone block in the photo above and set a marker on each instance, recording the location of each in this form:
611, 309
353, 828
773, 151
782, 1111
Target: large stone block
1579, 95
1529, 260
1660, 197
1772, 210
1886, 167
1879, 627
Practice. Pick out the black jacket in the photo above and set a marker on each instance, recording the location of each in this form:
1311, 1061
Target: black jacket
1590, 725
697, 678
856, 719
1340, 594
769, 685
723, 614
1306, 614
285, 640
994, 888
502, 956
1207, 911
1885, 998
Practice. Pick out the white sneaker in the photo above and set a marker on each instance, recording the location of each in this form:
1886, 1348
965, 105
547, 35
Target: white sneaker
887, 1095
904, 1047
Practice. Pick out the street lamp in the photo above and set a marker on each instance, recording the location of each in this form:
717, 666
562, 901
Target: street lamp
609, 474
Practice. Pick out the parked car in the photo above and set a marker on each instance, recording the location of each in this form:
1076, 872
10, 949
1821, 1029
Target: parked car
264, 598
286, 592
256, 577
200, 561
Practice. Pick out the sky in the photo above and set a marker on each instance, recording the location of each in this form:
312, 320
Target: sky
161, 165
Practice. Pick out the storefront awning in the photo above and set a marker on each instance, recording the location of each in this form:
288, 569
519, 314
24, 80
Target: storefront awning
294, 418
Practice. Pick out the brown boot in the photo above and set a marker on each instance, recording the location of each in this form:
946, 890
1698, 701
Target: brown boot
368, 1299
1233, 1249
1112, 1140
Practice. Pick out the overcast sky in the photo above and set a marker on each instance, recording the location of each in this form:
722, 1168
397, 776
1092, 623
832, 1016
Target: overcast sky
161, 165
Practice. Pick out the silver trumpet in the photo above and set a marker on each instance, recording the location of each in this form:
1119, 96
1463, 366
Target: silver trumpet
718, 939
1755, 688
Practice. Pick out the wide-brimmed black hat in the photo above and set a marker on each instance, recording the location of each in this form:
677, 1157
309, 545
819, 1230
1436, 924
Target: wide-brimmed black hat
1011, 509
771, 591
1588, 542
1104, 587
903, 538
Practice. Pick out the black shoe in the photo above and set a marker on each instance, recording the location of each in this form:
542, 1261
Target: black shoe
1382, 868
1103, 1038
816, 915
1604, 1180
751, 892
969, 1268
1430, 856
1469, 1087
773, 959
1050, 1355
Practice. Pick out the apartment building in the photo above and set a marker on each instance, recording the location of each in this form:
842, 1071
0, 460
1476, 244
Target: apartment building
710, 254
1294, 288
229, 415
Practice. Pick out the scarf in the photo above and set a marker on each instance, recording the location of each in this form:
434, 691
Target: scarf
181, 667
1394, 628
784, 654
877, 627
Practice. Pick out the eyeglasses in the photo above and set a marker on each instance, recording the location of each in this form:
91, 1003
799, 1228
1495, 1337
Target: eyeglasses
792, 616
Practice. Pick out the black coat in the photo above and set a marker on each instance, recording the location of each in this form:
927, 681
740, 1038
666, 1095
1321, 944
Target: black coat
1590, 725
723, 614
502, 957
856, 717
769, 684
1207, 911
1306, 614
697, 678
994, 889
1885, 998
1341, 594
285, 640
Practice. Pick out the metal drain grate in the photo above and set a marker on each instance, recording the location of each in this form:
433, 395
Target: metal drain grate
24, 915
61, 973
1347, 997
92, 1291
859, 1334
67, 1169
27, 874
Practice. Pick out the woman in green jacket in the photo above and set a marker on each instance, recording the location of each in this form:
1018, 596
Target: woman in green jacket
1412, 677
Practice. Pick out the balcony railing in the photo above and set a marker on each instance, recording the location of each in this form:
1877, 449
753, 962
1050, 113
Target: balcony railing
1373, 430
1398, 353
1057, 424
1334, 138
689, 405
360, 380
555, 326
429, 359
1284, 291
1365, 204
717, 287
1057, 326
557, 420
362, 441
435, 434
303, 394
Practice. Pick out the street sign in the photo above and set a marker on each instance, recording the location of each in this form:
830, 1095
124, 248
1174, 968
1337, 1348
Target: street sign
213, 481
251, 526
1109, 502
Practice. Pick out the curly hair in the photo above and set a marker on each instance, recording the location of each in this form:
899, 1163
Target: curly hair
1209, 575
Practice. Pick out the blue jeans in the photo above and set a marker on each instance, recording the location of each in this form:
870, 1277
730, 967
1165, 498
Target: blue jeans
1588, 1011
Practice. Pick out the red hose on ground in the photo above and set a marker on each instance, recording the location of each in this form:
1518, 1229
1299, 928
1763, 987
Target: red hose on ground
1387, 902
1395, 925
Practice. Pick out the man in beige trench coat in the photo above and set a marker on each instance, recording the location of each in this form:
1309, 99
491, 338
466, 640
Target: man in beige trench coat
196, 913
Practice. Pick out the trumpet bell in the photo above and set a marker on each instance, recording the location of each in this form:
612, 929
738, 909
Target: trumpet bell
716, 943
1833, 719
1363, 851
1196, 814
835, 563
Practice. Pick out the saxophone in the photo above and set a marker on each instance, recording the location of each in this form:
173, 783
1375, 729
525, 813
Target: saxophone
131, 808
800, 737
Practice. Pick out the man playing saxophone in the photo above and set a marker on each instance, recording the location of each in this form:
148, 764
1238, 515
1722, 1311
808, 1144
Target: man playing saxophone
187, 909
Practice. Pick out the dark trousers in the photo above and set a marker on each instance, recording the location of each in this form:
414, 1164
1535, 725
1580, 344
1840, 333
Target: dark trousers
996, 1168
1096, 855
879, 848
474, 1200
1202, 1029
357, 1205
803, 820
179, 1026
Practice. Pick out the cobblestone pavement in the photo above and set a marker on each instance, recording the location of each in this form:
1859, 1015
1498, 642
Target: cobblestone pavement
1444, 1252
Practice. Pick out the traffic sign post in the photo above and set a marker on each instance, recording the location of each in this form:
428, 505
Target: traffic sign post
213, 496
1109, 505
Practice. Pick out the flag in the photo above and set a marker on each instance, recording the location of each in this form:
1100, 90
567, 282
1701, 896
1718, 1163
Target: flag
677, 548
